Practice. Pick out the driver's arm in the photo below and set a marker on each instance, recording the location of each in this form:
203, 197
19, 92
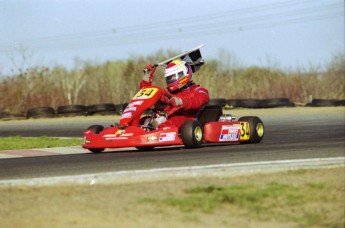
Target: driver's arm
149, 71
196, 99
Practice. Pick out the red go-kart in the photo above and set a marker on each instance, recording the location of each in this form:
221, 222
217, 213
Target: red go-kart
135, 129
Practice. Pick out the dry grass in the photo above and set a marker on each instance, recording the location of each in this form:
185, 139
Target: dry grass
300, 198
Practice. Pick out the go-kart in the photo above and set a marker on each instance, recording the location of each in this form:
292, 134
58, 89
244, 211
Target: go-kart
135, 127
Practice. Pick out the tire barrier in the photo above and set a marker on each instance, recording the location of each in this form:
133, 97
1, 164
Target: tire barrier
11, 116
72, 110
217, 101
341, 103
258, 103
323, 103
102, 109
112, 109
41, 112
277, 102
5, 115
249, 103
123, 107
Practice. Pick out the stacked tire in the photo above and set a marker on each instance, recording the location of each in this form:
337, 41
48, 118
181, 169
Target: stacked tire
72, 110
41, 112
249, 103
323, 103
5, 115
259, 103
103, 109
11, 116
277, 102
217, 101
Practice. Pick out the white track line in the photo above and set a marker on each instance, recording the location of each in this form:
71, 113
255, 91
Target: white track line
234, 169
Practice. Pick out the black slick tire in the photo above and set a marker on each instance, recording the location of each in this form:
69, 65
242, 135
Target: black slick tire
96, 129
192, 134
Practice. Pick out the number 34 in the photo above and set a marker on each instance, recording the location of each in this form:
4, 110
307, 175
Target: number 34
245, 130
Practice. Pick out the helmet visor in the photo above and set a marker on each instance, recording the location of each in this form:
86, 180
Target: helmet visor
174, 77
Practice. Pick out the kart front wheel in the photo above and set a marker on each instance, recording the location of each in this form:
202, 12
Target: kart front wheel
96, 129
256, 128
192, 134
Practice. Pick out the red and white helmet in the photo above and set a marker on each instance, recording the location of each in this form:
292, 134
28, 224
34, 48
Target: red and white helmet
177, 74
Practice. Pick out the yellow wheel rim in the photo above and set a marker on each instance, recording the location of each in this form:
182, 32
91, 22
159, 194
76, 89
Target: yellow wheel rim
198, 133
260, 129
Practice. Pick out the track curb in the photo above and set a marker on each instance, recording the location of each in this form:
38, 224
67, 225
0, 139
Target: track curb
42, 152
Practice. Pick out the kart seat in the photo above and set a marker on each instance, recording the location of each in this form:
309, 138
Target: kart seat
209, 113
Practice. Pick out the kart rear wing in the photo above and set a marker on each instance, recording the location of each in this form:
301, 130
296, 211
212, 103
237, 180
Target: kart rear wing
193, 57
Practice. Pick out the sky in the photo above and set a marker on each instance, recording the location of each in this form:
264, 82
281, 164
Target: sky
286, 33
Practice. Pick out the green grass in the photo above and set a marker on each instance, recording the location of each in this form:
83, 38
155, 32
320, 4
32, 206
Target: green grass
283, 202
14, 143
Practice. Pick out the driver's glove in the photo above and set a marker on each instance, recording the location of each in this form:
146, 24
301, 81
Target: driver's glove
149, 72
176, 102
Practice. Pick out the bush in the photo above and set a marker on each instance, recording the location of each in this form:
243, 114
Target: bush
117, 81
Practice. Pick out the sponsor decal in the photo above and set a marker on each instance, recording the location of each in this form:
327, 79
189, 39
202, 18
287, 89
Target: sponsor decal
152, 138
135, 103
229, 133
109, 135
119, 132
164, 137
116, 138
130, 108
126, 115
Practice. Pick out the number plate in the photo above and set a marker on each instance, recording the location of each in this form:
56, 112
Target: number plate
145, 93
245, 131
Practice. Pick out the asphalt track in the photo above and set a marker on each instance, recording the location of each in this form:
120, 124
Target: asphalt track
288, 135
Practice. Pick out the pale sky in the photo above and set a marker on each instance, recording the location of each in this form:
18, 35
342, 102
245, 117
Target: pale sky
290, 33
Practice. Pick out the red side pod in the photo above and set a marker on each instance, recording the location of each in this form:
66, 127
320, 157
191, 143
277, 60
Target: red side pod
223, 132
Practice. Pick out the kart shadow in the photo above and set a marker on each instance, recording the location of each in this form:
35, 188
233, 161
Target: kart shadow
167, 148
134, 150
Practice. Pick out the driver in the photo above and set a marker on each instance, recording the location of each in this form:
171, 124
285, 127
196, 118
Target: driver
183, 96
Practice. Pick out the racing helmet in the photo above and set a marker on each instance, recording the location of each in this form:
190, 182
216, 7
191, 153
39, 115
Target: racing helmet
177, 74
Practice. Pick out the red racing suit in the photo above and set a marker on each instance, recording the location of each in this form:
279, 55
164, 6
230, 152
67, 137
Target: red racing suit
193, 98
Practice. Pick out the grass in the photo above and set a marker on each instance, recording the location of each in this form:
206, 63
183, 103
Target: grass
283, 202
17, 142
296, 198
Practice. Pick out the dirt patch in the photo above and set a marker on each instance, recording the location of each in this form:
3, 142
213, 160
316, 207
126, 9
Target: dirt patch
320, 203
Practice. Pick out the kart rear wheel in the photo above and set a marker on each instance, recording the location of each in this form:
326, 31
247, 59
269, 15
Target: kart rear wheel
96, 129
256, 127
192, 134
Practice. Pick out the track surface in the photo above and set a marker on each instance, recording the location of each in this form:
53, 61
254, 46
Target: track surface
287, 136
